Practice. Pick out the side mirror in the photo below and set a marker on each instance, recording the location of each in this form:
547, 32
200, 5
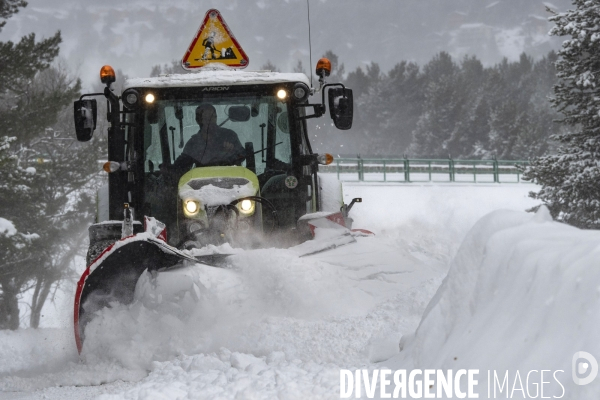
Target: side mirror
85, 115
341, 107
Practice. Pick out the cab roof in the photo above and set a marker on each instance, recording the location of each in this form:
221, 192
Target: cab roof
216, 78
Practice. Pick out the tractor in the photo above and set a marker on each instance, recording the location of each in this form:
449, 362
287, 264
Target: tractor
152, 213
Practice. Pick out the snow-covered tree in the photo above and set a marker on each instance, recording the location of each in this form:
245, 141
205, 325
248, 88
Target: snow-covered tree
43, 174
43, 194
472, 126
570, 178
446, 108
338, 71
4, 149
387, 107
474, 112
269, 66
299, 67
174, 68
442, 109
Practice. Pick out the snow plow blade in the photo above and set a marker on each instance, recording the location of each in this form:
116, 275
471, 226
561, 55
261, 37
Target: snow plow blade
112, 277
329, 230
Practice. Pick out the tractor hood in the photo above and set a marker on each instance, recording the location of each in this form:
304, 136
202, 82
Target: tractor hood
213, 186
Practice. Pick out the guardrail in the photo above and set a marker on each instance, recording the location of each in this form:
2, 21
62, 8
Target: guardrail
425, 170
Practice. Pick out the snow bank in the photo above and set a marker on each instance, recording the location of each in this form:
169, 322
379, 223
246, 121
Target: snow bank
522, 294
431, 219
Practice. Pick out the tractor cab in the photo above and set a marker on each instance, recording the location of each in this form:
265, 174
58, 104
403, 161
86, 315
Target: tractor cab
252, 171
258, 139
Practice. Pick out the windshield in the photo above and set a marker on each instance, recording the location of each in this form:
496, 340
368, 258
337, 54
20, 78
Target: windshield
260, 123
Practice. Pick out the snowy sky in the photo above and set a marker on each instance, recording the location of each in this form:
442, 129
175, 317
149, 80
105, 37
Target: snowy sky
136, 35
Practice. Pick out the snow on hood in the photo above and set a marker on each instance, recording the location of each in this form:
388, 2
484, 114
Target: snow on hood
217, 191
216, 77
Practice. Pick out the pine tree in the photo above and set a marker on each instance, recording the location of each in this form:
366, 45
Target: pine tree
10, 240
443, 107
338, 70
358, 81
44, 176
269, 66
388, 108
8, 8
299, 67
174, 68
536, 140
46, 193
570, 177
472, 126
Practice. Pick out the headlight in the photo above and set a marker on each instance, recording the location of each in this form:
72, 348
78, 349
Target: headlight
130, 98
246, 207
300, 91
191, 208
281, 94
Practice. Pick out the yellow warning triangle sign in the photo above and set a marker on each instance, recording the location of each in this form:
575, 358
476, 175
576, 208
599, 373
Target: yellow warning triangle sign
214, 42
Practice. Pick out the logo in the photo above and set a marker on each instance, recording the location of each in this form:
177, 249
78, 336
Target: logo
584, 368
451, 384
215, 89
291, 182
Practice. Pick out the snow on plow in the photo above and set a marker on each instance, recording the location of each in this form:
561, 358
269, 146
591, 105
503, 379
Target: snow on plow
113, 276
329, 231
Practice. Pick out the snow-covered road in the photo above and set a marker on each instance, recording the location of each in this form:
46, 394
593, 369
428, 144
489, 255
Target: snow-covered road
272, 325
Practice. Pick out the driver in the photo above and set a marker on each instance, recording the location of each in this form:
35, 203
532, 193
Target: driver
212, 145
